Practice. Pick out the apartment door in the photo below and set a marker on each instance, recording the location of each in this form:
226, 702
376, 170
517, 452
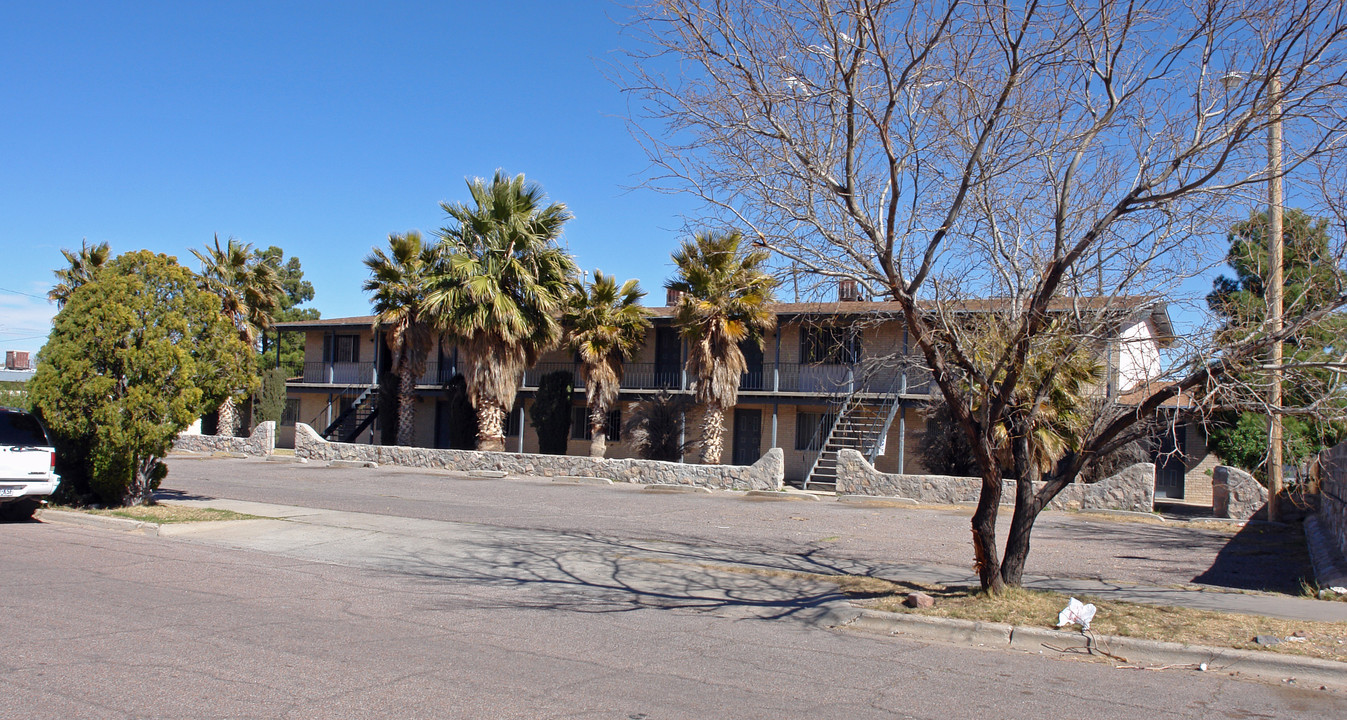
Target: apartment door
752, 379
747, 436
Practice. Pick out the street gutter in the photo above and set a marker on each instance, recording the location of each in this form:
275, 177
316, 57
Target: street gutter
1122, 652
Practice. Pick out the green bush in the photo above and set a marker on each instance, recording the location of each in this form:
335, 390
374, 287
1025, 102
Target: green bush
269, 404
134, 356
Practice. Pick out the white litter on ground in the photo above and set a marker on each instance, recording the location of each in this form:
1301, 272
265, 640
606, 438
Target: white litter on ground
1078, 613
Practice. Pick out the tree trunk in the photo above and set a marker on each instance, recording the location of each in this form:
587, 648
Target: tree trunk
984, 534
146, 472
598, 428
406, 407
1022, 524
1017, 540
491, 427
713, 434
143, 472
228, 422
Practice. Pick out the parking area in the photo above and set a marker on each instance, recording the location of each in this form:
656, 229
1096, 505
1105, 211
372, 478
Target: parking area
830, 533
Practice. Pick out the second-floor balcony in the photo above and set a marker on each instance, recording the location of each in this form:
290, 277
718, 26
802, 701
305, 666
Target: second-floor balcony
783, 378
806, 379
363, 373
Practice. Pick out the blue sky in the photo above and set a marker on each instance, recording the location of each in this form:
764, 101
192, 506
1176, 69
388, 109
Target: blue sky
317, 127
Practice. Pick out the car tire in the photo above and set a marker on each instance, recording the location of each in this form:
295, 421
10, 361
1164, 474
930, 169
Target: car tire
19, 510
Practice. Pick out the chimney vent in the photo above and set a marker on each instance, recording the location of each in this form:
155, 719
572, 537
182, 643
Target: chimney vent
848, 290
672, 297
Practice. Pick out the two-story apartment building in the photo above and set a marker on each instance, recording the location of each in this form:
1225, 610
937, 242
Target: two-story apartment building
831, 375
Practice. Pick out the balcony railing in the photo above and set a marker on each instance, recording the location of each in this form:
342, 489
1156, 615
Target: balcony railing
784, 378
788, 378
438, 373
339, 373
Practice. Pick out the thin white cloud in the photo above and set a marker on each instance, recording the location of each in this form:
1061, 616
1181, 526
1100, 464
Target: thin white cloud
25, 321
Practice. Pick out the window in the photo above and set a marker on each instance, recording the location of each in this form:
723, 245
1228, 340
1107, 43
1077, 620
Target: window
342, 348
20, 428
829, 344
811, 428
512, 422
347, 348
580, 429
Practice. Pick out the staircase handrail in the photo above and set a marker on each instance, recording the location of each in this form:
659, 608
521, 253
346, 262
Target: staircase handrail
889, 400
837, 409
369, 420
341, 418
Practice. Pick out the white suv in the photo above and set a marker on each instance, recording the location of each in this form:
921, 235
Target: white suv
27, 464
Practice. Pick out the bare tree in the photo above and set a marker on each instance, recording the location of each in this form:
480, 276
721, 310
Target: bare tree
1017, 177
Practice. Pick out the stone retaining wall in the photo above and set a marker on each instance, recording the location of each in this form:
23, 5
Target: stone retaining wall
261, 442
766, 474
1235, 494
1132, 489
1333, 494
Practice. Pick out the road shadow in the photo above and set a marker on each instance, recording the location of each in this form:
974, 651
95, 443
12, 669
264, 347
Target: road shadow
586, 573
1273, 557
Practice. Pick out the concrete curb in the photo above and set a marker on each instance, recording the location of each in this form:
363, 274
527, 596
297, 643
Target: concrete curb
1261, 664
66, 517
676, 489
580, 480
780, 495
285, 459
352, 464
876, 500
487, 474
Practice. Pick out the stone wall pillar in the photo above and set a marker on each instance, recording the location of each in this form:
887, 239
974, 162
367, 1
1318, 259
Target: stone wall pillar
1235, 494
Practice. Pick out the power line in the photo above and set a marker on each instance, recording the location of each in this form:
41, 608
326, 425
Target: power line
18, 292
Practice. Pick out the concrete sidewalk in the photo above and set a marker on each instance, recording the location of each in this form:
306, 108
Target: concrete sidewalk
538, 556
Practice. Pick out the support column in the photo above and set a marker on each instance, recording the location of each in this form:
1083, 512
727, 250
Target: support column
521, 428
902, 438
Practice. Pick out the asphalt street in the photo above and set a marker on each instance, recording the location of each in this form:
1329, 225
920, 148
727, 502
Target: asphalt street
509, 624
427, 595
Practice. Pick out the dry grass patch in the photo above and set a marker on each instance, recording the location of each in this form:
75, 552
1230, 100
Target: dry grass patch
1152, 622
1142, 518
162, 514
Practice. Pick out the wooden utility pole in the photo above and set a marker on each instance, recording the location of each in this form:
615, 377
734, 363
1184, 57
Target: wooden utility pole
1273, 294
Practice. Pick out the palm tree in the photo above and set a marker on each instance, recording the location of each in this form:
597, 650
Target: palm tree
500, 288
398, 281
605, 326
725, 298
83, 265
249, 290
1049, 406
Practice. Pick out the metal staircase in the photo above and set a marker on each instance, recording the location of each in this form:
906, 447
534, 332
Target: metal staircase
861, 424
355, 419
